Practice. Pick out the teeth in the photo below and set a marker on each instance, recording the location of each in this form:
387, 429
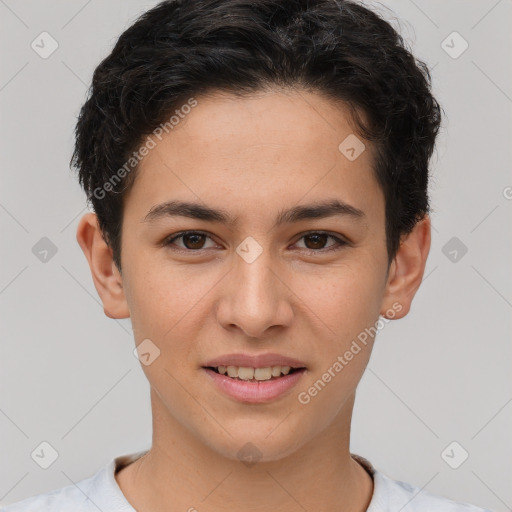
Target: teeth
276, 371
247, 373
262, 373
244, 373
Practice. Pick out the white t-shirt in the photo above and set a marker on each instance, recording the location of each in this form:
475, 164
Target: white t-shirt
101, 492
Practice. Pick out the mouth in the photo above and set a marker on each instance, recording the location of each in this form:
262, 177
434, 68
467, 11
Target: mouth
250, 374
254, 379
254, 385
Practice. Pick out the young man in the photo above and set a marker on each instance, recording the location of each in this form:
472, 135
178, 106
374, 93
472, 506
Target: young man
258, 173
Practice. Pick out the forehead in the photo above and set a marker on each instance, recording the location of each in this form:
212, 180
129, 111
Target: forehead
256, 150
299, 120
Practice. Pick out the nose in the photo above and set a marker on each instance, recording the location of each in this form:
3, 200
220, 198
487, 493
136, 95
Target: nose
255, 298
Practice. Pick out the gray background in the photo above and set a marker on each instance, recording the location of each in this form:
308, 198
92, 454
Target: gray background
442, 374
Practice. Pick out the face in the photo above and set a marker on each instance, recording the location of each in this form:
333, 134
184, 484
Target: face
264, 274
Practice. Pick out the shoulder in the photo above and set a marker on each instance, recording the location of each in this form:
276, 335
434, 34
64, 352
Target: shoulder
59, 500
397, 495
98, 492
82, 496
392, 495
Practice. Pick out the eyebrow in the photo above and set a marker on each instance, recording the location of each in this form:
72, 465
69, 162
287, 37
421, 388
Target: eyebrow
319, 210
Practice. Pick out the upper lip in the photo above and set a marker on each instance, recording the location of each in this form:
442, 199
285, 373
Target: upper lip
257, 361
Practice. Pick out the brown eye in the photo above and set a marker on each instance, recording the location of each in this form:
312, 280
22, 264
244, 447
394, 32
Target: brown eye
315, 242
192, 241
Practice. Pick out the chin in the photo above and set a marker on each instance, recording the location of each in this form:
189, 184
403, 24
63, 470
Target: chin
257, 444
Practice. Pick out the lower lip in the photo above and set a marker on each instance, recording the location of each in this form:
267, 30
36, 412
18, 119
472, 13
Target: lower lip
255, 392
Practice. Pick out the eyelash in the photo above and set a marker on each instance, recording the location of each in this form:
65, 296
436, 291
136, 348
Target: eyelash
339, 242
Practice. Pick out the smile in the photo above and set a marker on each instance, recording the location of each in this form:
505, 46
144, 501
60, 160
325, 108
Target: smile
254, 374
254, 385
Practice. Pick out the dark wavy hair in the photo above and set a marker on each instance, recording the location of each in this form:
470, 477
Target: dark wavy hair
185, 48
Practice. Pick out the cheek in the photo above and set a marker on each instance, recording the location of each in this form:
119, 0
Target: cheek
168, 307
344, 299
328, 390
160, 294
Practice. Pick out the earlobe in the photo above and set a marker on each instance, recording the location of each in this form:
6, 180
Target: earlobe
406, 271
106, 276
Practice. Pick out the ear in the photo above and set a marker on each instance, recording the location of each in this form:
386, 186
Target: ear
106, 276
406, 270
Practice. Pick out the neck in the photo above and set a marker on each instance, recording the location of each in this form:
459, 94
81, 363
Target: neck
181, 472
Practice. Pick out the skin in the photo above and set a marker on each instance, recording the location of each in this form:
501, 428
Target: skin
253, 157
